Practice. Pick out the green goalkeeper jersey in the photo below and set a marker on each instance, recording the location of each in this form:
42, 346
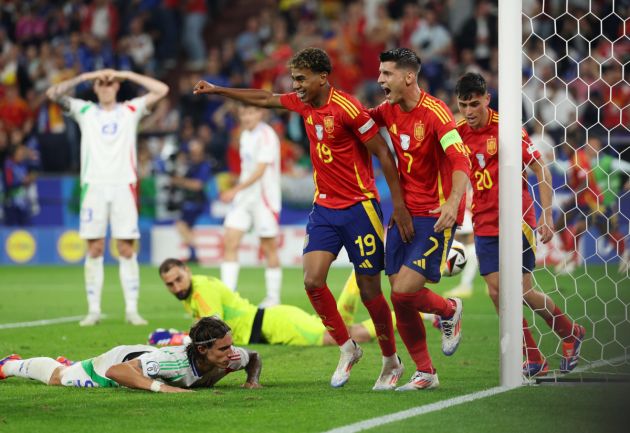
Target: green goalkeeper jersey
209, 296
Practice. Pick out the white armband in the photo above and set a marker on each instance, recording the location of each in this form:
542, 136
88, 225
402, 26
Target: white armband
156, 385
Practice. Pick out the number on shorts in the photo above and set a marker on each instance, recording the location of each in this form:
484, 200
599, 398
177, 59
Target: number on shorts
365, 242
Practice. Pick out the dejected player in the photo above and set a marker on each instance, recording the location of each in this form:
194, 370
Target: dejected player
207, 359
346, 212
433, 166
480, 131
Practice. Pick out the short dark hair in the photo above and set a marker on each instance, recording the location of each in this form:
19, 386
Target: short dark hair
169, 264
314, 59
403, 57
469, 85
204, 333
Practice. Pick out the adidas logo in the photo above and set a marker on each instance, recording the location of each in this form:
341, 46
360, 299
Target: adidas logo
366, 264
421, 263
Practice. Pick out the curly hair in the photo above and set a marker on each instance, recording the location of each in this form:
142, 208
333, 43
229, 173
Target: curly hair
314, 59
204, 333
403, 58
469, 85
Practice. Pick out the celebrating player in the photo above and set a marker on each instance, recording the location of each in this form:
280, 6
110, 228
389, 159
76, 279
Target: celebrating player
207, 359
279, 324
433, 168
108, 177
480, 131
346, 211
257, 202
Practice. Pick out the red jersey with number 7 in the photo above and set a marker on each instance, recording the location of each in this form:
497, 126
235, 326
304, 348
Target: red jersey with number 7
424, 166
484, 148
337, 131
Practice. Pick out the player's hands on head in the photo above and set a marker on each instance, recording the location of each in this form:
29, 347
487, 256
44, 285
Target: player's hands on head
203, 87
402, 218
448, 216
251, 385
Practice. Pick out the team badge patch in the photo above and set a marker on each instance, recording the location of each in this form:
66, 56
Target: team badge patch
153, 368
418, 131
491, 145
404, 141
482, 160
319, 131
329, 124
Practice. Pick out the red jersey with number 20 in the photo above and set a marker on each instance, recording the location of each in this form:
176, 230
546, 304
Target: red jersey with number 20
484, 155
342, 165
424, 167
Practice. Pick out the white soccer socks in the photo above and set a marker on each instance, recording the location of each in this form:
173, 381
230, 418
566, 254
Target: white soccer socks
34, 368
273, 281
229, 274
93, 274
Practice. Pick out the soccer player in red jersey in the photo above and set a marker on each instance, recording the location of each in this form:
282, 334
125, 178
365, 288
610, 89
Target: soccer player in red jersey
433, 167
480, 131
346, 210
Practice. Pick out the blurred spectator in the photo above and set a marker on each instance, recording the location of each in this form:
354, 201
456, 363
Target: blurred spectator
479, 34
195, 201
195, 13
17, 179
14, 111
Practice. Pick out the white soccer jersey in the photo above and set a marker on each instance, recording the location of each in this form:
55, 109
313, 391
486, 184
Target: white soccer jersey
108, 140
171, 365
260, 145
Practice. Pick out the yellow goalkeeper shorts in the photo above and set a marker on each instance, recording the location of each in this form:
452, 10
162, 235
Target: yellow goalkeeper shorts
286, 324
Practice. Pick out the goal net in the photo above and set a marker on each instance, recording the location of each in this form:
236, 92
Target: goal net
576, 108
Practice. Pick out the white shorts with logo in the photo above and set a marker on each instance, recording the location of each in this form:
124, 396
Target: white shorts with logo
245, 215
109, 204
91, 373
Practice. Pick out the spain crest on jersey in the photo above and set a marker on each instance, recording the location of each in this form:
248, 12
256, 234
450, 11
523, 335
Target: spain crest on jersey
418, 131
329, 124
491, 145
404, 141
319, 131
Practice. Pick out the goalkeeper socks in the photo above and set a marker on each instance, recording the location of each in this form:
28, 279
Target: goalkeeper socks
34, 368
561, 324
530, 348
382, 317
349, 299
273, 282
93, 275
324, 304
411, 329
130, 281
229, 274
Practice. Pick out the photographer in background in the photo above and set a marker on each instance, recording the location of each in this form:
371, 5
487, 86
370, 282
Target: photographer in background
194, 200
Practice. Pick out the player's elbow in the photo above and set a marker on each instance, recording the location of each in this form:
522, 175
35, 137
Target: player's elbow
163, 91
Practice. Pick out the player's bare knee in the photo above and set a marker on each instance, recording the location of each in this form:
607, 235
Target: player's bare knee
125, 248
312, 282
96, 248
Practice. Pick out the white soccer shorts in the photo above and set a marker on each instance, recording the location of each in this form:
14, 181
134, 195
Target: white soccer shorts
94, 377
243, 216
113, 204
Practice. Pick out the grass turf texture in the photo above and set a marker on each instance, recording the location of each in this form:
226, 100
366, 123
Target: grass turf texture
296, 396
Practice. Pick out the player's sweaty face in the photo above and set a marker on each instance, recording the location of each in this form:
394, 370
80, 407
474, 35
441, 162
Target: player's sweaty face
392, 81
474, 109
177, 281
306, 84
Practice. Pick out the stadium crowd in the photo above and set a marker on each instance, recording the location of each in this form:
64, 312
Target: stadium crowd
43, 42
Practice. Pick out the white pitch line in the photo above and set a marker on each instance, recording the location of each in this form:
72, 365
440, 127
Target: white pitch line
415, 411
42, 322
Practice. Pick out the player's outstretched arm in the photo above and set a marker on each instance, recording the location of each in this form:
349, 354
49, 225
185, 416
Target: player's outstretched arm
57, 92
545, 222
400, 216
129, 374
157, 89
253, 369
257, 97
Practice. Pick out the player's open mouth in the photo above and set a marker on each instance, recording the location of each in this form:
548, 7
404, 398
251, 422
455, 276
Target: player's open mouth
387, 91
301, 94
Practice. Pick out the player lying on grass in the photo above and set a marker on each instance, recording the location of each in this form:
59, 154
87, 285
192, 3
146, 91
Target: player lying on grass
281, 324
202, 363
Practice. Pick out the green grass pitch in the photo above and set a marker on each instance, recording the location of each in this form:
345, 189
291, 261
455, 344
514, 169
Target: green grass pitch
296, 396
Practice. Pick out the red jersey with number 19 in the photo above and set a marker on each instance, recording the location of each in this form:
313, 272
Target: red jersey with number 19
424, 167
342, 165
484, 148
